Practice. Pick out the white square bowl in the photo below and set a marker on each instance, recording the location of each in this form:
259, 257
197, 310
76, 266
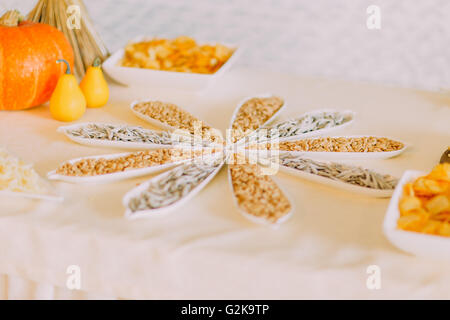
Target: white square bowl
164, 79
419, 244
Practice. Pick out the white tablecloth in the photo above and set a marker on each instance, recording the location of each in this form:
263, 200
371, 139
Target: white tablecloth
206, 249
15, 288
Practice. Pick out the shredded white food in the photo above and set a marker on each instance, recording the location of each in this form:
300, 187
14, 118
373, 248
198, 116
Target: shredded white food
17, 176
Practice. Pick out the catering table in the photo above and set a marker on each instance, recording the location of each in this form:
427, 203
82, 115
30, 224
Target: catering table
207, 250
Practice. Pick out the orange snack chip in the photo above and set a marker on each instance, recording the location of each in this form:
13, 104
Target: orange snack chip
425, 206
181, 54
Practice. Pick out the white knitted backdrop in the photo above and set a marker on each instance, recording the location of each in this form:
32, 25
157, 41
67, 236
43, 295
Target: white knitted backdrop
321, 37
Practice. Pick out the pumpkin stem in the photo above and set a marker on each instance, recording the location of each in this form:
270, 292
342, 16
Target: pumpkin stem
11, 18
67, 64
97, 62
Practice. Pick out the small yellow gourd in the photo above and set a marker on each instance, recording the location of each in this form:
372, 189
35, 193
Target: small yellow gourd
94, 86
67, 102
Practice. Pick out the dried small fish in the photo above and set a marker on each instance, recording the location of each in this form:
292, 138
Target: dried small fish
308, 123
341, 172
123, 133
172, 187
126, 133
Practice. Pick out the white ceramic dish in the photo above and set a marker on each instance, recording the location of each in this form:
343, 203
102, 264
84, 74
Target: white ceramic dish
419, 244
344, 155
337, 184
163, 125
270, 120
148, 119
167, 79
155, 122
251, 217
109, 144
110, 177
164, 210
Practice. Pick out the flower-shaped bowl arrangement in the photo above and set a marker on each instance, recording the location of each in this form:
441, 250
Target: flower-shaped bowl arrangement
255, 148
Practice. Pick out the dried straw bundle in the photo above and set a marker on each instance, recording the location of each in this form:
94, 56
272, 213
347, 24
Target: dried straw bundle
85, 41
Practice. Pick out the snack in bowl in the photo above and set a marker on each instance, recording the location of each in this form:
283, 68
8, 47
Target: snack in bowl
17, 176
335, 144
181, 54
96, 166
425, 205
171, 116
253, 114
257, 195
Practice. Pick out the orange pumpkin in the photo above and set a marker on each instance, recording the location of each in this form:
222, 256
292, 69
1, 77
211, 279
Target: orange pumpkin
28, 51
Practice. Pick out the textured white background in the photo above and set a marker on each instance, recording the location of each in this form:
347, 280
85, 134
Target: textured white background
321, 37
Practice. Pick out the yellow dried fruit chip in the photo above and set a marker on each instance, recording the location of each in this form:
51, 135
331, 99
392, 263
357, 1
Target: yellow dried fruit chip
442, 216
441, 172
427, 187
408, 189
438, 204
410, 222
444, 229
409, 204
431, 227
421, 213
